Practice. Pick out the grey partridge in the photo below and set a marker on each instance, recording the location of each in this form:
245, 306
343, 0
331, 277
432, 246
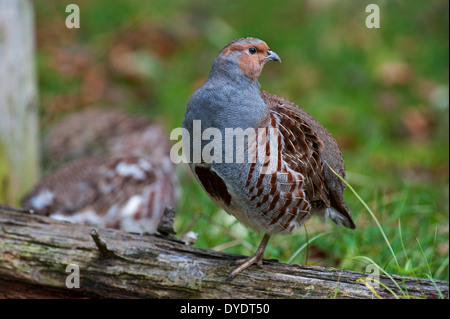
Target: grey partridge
94, 131
127, 187
275, 179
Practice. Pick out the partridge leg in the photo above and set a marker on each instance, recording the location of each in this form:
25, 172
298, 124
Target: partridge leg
257, 258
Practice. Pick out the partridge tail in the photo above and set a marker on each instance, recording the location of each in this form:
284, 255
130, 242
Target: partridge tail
337, 212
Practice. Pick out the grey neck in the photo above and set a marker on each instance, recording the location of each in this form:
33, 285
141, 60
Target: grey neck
233, 98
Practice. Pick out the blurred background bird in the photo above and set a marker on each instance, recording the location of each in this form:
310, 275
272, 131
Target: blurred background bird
117, 172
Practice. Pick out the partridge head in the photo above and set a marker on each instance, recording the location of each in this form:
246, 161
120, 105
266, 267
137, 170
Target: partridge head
289, 164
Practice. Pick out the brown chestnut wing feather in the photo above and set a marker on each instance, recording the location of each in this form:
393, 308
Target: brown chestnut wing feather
301, 151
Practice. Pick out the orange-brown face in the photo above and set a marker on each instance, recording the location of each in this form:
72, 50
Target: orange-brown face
253, 57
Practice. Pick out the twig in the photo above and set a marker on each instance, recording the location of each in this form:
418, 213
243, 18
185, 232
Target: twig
105, 252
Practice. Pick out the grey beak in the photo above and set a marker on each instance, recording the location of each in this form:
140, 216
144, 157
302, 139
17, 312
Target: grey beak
273, 56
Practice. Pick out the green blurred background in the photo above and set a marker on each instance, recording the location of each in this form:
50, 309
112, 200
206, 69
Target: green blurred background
383, 93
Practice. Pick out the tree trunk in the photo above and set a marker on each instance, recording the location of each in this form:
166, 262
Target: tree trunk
40, 257
18, 100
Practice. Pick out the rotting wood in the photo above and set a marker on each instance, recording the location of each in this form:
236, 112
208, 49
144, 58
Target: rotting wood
35, 251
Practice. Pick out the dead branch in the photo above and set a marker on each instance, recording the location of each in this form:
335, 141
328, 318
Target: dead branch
35, 252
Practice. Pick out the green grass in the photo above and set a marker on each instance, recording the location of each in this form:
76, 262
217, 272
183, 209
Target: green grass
394, 135
407, 265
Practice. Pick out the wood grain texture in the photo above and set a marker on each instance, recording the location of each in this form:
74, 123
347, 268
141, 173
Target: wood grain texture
35, 251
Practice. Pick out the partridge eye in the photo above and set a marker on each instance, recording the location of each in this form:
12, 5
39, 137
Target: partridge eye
252, 50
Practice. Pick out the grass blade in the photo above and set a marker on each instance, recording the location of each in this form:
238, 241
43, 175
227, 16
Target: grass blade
304, 245
429, 275
370, 261
371, 214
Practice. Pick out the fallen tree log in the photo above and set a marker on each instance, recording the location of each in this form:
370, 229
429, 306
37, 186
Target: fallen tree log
43, 258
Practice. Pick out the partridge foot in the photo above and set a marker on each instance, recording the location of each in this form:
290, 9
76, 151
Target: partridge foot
257, 259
